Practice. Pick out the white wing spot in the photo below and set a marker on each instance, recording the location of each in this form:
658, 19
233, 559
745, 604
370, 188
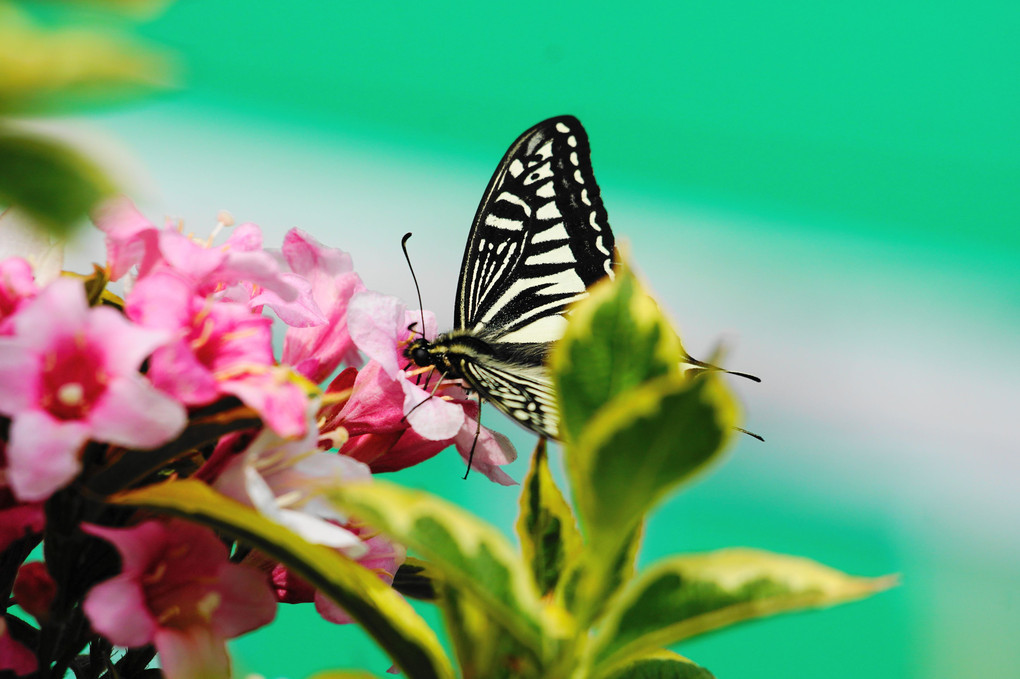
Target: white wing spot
500, 248
546, 190
584, 197
601, 248
556, 232
516, 168
577, 176
560, 255
591, 220
545, 151
508, 197
503, 223
572, 141
549, 211
560, 127
573, 157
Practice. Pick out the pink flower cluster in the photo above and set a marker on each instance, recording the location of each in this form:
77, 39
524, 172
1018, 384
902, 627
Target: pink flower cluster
85, 384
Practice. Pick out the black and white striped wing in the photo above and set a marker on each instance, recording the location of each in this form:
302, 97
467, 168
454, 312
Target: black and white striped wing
524, 393
539, 239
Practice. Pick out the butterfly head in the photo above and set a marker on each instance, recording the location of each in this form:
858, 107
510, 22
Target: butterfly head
421, 352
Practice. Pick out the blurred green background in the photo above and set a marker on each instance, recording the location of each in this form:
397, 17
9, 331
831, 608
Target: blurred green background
828, 188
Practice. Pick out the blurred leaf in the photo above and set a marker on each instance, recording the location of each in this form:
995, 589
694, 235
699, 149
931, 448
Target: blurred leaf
662, 665
617, 338
383, 613
343, 674
52, 184
135, 8
469, 555
57, 69
546, 526
643, 445
21, 237
483, 647
684, 596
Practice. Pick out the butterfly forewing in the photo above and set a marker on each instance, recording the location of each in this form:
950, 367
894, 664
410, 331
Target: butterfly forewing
539, 239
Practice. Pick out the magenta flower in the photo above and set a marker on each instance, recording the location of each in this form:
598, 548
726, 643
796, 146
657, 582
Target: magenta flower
17, 286
69, 373
178, 590
217, 348
14, 655
315, 352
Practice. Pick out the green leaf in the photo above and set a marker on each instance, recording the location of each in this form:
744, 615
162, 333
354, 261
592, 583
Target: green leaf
383, 613
643, 445
415, 579
55, 70
617, 338
52, 184
684, 596
469, 555
662, 665
546, 525
483, 647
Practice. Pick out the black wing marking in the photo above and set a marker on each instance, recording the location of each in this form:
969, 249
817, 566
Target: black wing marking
524, 393
540, 237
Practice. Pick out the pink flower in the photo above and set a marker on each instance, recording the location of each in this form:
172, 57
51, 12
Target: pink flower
217, 348
382, 557
70, 374
315, 352
286, 481
17, 519
14, 655
239, 269
178, 590
378, 434
17, 286
379, 326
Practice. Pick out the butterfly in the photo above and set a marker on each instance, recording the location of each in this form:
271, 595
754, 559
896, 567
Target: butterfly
539, 240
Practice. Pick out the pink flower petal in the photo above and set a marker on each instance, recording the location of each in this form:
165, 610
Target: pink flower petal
19, 370
246, 601
192, 653
374, 321
15, 656
42, 455
134, 414
432, 417
118, 610
130, 238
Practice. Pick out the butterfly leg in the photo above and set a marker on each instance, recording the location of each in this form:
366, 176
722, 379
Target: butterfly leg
432, 393
478, 430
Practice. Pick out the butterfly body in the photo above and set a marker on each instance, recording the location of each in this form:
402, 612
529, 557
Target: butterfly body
539, 239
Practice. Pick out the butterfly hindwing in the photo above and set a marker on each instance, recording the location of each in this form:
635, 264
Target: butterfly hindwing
539, 239
523, 392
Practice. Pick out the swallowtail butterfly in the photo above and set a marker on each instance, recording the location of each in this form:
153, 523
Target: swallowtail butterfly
540, 238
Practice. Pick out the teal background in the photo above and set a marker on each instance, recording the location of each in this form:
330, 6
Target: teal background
829, 189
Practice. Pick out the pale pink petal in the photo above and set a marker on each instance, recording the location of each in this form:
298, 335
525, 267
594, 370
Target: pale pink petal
279, 403
300, 312
376, 403
134, 414
42, 455
492, 450
192, 653
374, 321
244, 237
246, 603
163, 300
118, 610
331, 610
307, 256
431, 416
19, 376
176, 370
130, 238
60, 308
125, 344
189, 257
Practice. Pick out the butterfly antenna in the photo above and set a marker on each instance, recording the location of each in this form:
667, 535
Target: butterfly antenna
478, 430
421, 307
708, 366
751, 434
